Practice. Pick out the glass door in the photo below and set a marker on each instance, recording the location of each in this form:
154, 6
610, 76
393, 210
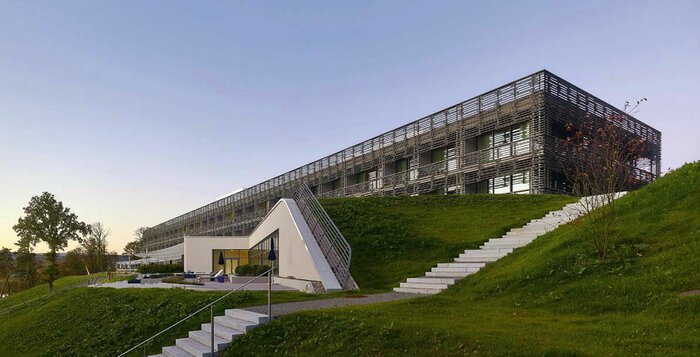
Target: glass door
230, 267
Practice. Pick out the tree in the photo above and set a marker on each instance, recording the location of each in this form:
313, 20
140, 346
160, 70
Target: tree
26, 267
26, 263
136, 246
95, 245
138, 233
7, 262
47, 220
74, 262
133, 248
601, 160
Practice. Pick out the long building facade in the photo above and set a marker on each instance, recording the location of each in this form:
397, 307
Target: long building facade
508, 140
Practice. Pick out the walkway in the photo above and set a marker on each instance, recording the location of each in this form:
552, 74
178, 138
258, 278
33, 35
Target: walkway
292, 307
208, 286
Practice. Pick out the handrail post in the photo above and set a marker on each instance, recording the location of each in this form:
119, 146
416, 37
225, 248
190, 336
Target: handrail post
269, 295
145, 346
211, 315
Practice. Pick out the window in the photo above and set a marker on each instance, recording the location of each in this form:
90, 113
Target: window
505, 142
437, 155
516, 183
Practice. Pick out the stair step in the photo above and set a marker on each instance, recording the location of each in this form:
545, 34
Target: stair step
510, 245
456, 269
462, 259
225, 332
174, 351
417, 291
461, 265
510, 239
459, 274
424, 286
204, 338
245, 315
234, 323
485, 252
505, 241
193, 347
448, 281
158, 355
532, 234
481, 257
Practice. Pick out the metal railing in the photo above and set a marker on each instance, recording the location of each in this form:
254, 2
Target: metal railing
332, 243
145, 342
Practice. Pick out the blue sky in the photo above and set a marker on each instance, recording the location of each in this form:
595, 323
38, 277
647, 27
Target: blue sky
132, 112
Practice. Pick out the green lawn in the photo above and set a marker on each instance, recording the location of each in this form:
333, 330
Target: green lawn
106, 321
550, 298
42, 290
393, 238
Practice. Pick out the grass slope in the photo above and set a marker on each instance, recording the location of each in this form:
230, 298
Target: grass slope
42, 290
550, 298
106, 321
393, 238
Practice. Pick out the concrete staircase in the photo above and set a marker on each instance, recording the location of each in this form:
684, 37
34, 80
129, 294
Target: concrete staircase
233, 324
471, 261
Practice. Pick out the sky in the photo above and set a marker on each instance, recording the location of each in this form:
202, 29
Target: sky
133, 112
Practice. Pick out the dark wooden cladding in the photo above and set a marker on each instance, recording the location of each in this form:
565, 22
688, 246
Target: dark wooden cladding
542, 99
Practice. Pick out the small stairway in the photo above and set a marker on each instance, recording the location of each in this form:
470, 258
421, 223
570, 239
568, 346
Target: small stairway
233, 324
446, 274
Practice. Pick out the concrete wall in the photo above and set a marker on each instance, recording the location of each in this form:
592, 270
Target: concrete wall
198, 250
299, 255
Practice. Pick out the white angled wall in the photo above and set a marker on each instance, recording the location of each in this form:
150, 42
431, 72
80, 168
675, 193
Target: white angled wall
299, 255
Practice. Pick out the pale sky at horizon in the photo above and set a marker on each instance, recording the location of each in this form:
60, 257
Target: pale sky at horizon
134, 112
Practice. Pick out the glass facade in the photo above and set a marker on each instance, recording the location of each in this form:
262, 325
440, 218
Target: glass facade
516, 183
502, 143
369, 176
259, 253
231, 259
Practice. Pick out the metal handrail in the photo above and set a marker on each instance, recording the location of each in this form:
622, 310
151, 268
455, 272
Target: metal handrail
335, 248
210, 305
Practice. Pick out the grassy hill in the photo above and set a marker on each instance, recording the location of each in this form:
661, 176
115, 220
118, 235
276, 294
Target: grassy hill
396, 237
106, 321
42, 290
552, 297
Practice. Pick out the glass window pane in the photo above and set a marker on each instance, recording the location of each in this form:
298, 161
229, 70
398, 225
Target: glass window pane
501, 137
501, 184
485, 141
521, 182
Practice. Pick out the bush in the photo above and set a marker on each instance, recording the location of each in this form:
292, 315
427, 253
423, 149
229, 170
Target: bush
251, 270
244, 270
160, 268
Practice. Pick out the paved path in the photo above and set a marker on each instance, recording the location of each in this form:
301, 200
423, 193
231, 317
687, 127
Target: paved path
208, 286
292, 307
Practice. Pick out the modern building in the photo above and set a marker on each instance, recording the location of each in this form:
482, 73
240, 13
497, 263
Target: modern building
507, 140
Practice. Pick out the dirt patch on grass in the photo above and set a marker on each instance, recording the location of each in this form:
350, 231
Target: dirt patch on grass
690, 293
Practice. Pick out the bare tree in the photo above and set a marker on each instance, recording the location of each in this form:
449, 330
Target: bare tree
95, 245
601, 159
138, 233
134, 247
